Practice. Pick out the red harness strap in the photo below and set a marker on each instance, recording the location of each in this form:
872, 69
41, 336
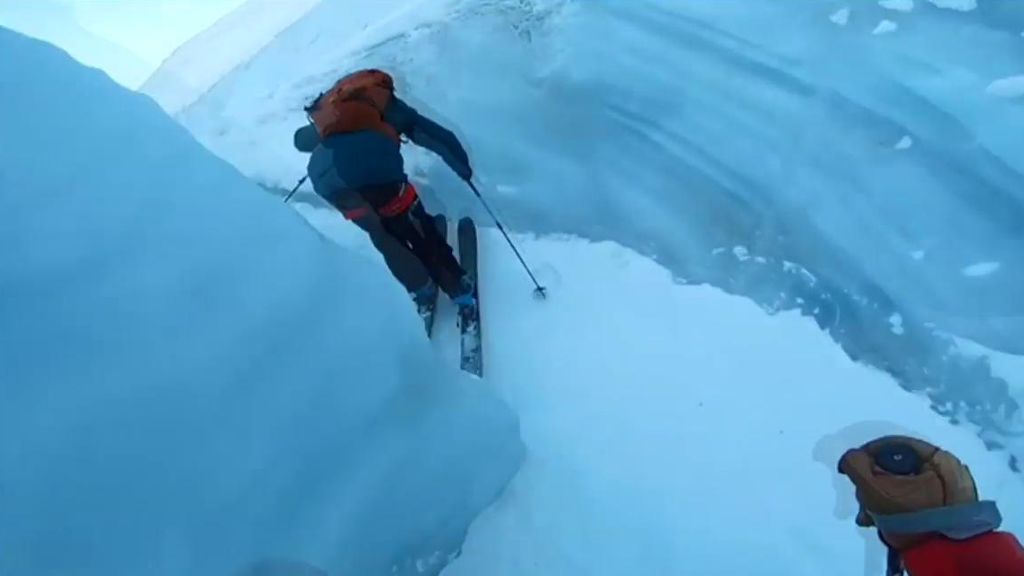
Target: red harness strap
356, 213
397, 206
401, 203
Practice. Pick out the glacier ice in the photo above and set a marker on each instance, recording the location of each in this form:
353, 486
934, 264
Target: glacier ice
194, 381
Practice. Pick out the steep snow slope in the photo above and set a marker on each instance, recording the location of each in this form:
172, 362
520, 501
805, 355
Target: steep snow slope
192, 378
667, 432
199, 63
55, 22
753, 145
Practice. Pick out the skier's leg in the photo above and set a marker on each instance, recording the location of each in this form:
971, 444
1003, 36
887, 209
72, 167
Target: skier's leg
400, 260
442, 251
461, 289
417, 228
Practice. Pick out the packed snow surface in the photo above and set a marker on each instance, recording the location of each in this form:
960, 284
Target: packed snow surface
667, 432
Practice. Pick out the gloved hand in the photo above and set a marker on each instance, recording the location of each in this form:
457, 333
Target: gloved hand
900, 475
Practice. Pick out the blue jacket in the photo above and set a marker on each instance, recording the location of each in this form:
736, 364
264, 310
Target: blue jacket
345, 163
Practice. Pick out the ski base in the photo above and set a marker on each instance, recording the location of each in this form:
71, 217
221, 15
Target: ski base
471, 340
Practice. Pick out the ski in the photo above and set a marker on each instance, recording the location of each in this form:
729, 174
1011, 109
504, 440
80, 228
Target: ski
469, 319
429, 312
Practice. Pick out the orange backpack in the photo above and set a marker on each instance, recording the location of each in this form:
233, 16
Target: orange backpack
355, 103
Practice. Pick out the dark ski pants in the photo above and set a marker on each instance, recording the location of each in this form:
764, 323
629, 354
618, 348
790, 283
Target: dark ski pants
412, 247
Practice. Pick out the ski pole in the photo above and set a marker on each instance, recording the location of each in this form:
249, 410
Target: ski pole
296, 189
538, 290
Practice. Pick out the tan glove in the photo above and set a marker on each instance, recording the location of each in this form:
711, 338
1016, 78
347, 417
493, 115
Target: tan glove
942, 480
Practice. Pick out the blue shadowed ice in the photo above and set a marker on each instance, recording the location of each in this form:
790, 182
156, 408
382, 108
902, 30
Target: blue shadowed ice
192, 380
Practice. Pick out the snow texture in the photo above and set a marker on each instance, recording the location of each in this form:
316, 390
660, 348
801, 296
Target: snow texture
896, 321
778, 137
841, 16
897, 5
961, 5
194, 380
1009, 87
1009, 367
981, 269
885, 27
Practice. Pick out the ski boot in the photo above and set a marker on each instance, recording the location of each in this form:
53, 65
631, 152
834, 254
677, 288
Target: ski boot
466, 299
426, 300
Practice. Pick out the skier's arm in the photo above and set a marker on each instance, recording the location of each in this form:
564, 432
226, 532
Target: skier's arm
425, 132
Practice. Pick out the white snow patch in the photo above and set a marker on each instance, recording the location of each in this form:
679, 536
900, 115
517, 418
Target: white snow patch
896, 322
904, 144
1009, 87
917, 254
841, 16
961, 5
981, 269
897, 5
795, 268
885, 27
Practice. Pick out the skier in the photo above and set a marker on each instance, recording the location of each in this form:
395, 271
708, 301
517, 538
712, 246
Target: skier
356, 165
924, 503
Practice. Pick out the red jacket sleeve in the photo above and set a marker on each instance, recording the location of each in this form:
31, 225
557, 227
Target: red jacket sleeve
992, 554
